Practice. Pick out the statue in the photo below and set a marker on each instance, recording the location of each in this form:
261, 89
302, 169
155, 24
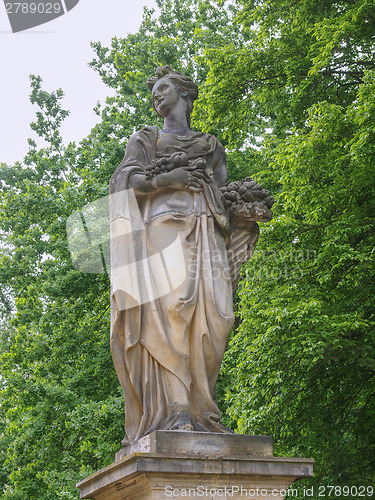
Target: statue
167, 352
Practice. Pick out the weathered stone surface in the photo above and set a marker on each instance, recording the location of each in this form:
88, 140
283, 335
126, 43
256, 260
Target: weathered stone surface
172, 304
201, 443
197, 464
141, 476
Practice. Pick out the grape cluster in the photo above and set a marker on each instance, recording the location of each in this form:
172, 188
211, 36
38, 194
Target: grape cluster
248, 198
161, 165
176, 160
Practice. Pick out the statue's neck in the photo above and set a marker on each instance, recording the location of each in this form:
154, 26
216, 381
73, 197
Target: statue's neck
176, 121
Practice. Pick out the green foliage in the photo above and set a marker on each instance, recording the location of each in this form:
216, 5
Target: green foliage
294, 54
56, 366
301, 364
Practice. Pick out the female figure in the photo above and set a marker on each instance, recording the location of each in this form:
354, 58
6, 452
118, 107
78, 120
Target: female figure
167, 352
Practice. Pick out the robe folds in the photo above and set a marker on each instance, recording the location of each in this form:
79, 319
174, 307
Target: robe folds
168, 343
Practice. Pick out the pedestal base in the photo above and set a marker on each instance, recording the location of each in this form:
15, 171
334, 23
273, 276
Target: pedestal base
173, 464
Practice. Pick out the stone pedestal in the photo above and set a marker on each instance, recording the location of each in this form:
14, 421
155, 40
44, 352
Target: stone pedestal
178, 465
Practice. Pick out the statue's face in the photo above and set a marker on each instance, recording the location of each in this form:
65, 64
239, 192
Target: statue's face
165, 96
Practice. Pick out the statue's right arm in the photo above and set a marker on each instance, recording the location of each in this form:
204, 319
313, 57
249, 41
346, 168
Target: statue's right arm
130, 174
179, 178
140, 183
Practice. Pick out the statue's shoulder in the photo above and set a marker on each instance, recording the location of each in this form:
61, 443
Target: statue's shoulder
148, 131
209, 138
145, 137
212, 138
216, 147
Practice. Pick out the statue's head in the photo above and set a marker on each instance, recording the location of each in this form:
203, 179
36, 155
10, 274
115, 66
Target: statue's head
184, 85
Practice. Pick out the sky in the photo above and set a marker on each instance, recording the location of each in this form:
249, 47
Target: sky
59, 51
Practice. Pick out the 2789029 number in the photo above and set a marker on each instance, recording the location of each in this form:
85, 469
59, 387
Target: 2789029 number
345, 491
33, 8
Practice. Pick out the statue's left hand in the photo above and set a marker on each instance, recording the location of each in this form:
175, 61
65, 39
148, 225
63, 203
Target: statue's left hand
202, 175
179, 178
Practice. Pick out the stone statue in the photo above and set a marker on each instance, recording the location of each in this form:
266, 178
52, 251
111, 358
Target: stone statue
167, 351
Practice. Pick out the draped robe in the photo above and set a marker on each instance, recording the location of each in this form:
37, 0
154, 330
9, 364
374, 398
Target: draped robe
167, 352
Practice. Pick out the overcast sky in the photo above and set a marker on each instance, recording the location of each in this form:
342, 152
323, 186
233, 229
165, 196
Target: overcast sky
59, 52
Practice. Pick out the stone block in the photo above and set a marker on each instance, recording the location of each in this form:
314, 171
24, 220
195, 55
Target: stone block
201, 443
177, 465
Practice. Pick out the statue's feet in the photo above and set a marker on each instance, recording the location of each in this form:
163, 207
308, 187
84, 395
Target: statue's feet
125, 441
182, 424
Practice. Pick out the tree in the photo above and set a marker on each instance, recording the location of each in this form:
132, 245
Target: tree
301, 363
287, 87
58, 404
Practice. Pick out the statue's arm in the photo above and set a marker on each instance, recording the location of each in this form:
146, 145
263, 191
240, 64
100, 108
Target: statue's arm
177, 178
220, 171
131, 173
140, 183
221, 174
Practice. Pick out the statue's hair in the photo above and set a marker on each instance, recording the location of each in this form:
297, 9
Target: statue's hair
183, 84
